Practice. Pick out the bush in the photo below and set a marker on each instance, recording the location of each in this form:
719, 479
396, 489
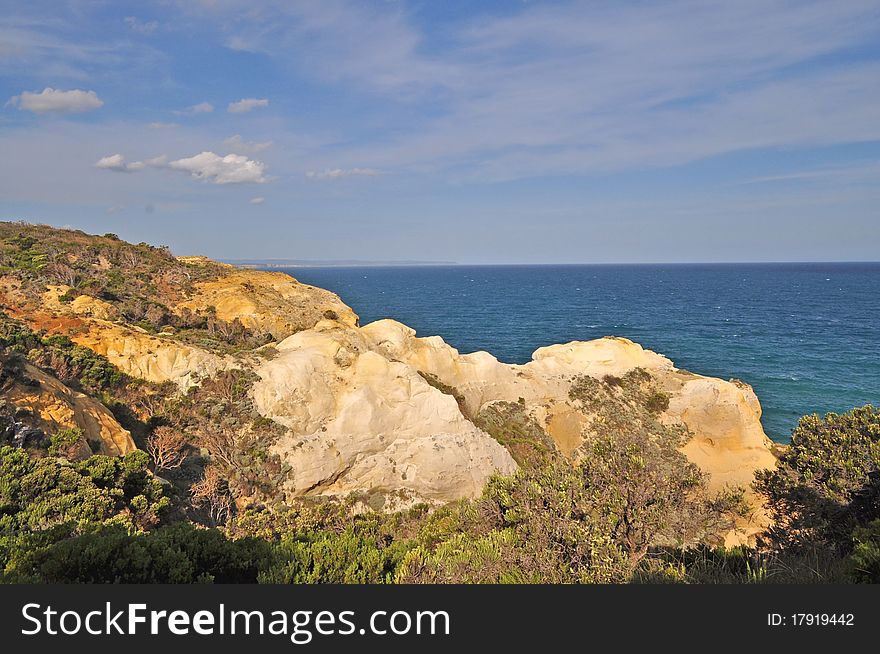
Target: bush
65, 442
534, 527
827, 482
75, 365
510, 424
176, 554
329, 558
46, 501
657, 402
864, 562
648, 492
68, 296
494, 558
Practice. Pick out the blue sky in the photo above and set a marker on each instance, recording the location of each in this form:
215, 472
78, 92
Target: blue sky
490, 132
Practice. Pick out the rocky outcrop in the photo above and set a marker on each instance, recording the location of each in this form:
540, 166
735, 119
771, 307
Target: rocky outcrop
361, 416
726, 441
154, 358
82, 305
359, 420
724, 417
269, 302
54, 406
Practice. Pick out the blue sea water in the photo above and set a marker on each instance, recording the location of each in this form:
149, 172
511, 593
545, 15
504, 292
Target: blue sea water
805, 336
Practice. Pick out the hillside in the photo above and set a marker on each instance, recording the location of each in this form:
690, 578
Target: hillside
259, 402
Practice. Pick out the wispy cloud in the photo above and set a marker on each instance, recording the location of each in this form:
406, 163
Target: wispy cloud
341, 173
257, 200
246, 104
161, 125
574, 88
51, 100
117, 163
238, 144
50, 47
866, 171
200, 108
147, 28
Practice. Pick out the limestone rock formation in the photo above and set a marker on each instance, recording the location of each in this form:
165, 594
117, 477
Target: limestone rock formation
156, 358
55, 406
270, 302
361, 415
361, 421
82, 305
724, 417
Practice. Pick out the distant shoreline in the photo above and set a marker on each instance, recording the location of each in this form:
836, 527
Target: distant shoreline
283, 263
280, 264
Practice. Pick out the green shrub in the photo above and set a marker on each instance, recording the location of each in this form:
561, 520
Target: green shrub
65, 442
329, 558
864, 562
46, 501
827, 482
657, 402
178, 554
510, 424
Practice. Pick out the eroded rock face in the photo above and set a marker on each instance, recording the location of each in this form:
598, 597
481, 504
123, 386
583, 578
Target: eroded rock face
727, 439
362, 417
361, 421
729, 442
82, 305
270, 302
55, 406
154, 358
725, 419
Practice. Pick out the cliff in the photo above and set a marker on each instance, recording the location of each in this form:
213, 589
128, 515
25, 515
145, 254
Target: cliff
375, 408
50, 406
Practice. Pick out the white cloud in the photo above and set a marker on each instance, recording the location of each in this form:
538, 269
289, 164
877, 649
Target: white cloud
258, 200
246, 104
339, 173
206, 166
142, 27
51, 100
237, 144
231, 169
161, 125
201, 108
117, 163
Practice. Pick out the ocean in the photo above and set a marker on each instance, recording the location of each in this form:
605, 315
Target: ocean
806, 336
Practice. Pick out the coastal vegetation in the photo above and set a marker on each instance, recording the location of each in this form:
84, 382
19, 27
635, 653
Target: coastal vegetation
632, 512
137, 283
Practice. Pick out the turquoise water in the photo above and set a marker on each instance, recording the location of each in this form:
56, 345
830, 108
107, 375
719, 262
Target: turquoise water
805, 336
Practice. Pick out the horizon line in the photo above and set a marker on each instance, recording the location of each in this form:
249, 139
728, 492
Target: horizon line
281, 263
